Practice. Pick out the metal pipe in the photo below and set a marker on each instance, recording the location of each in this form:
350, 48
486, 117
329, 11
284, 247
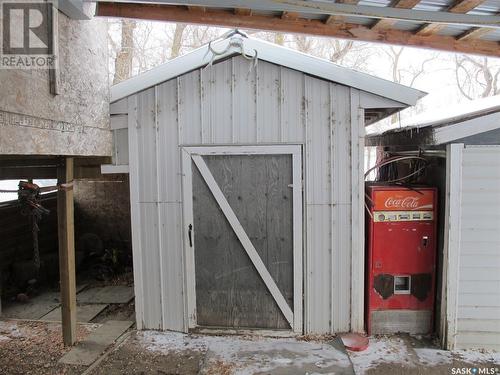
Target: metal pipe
434, 153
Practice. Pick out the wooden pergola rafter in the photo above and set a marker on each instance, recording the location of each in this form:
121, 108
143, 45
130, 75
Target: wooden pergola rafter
333, 19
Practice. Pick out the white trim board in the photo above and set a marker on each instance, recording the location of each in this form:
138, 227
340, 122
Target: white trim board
112, 168
274, 54
459, 130
295, 317
452, 233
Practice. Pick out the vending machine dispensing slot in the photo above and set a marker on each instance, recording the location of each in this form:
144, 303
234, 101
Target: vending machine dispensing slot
401, 259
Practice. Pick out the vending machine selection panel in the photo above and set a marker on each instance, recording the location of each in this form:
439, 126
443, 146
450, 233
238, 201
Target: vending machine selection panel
401, 259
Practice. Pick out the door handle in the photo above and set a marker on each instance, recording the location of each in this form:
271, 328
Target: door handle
190, 235
425, 241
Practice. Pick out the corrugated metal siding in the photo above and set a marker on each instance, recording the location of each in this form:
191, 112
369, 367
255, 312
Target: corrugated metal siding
233, 102
478, 316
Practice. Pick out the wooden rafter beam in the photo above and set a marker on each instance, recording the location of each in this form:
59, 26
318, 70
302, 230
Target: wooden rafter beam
464, 6
404, 4
332, 18
313, 27
474, 33
243, 11
196, 8
290, 15
458, 7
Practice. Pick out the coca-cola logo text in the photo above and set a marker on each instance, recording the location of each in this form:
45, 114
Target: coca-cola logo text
406, 202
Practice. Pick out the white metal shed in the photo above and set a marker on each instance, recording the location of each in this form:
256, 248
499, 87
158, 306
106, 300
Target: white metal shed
246, 177
470, 138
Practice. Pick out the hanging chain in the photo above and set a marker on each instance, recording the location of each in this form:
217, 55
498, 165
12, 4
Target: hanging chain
28, 196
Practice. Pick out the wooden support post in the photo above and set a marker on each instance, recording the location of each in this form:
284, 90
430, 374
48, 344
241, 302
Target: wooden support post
66, 250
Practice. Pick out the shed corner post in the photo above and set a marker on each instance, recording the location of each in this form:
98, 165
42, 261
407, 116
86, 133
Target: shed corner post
452, 229
357, 214
65, 224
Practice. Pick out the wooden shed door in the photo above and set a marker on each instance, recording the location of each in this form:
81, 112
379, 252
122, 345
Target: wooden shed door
242, 237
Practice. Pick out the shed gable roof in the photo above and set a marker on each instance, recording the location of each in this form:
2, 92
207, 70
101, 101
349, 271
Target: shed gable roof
235, 42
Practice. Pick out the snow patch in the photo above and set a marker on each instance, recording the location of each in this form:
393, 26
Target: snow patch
250, 354
433, 357
381, 350
10, 329
478, 356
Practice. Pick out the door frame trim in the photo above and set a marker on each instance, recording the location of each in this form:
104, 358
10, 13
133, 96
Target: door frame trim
190, 281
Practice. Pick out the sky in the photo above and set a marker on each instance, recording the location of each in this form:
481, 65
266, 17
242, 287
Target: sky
12, 185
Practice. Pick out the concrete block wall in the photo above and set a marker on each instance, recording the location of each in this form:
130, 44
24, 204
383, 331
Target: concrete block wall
75, 122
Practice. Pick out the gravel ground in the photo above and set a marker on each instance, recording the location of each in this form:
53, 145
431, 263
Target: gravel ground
28, 347
131, 358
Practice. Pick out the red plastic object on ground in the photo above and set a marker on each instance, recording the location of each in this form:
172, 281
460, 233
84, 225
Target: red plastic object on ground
354, 341
401, 258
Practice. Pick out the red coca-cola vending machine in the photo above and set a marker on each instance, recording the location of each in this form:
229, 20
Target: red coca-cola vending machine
401, 259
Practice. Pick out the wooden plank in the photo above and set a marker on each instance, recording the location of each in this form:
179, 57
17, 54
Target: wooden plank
474, 33
277, 215
459, 7
88, 350
243, 12
65, 220
313, 27
243, 237
333, 18
84, 313
290, 15
34, 308
464, 6
405, 4
318, 7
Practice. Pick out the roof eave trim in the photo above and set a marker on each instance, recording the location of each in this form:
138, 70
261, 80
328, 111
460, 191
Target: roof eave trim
327, 70
183, 64
468, 128
274, 54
